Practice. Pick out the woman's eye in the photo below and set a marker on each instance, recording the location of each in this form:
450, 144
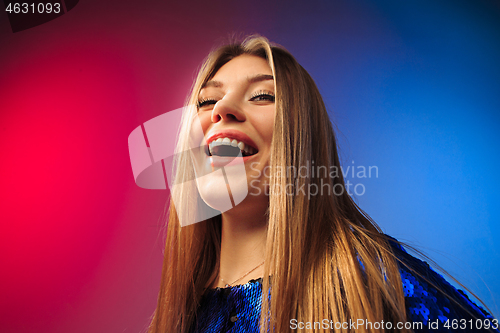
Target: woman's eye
262, 97
206, 102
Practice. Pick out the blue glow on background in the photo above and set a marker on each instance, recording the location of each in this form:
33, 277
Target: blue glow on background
414, 88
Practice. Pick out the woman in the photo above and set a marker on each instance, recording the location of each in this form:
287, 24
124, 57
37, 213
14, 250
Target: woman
253, 227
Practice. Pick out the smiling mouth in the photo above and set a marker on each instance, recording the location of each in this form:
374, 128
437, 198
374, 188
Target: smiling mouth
226, 147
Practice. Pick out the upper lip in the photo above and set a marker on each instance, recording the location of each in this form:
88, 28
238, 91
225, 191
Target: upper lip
232, 134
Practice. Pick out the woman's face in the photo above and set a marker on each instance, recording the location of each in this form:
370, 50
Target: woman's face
236, 113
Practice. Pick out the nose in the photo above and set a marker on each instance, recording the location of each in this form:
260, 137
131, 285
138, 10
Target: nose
228, 110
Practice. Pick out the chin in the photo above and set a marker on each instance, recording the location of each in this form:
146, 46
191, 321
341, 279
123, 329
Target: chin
218, 194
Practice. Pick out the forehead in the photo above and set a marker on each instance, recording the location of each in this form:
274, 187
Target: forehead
242, 67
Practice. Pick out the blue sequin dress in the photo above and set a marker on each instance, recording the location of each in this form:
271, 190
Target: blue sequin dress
237, 308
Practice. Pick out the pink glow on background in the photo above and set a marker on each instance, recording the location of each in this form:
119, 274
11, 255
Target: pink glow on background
80, 242
64, 184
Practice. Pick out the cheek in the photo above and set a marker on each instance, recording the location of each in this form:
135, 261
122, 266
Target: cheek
267, 130
264, 123
205, 120
199, 127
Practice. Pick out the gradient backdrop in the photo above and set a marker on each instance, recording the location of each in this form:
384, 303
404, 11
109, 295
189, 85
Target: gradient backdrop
413, 87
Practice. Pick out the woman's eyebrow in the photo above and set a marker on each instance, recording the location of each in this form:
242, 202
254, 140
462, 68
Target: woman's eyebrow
212, 83
251, 79
260, 77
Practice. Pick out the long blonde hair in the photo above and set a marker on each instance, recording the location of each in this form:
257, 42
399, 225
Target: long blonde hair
325, 256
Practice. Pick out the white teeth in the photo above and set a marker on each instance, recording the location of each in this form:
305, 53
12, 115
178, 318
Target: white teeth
232, 142
215, 143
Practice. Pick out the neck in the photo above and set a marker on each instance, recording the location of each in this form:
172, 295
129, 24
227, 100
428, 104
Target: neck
243, 242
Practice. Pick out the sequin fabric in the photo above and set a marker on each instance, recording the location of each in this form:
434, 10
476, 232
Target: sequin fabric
237, 309
232, 309
426, 303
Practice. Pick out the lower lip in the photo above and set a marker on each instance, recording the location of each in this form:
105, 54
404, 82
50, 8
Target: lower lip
219, 162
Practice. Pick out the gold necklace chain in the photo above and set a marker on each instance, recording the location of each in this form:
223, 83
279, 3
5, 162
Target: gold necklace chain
241, 277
